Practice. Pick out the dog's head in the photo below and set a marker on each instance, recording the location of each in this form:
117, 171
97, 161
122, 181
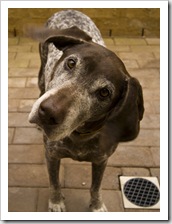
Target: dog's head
87, 88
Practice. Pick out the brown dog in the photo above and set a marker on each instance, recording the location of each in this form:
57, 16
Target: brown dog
88, 104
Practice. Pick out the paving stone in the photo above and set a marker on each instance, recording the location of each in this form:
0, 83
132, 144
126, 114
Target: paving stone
28, 136
26, 154
151, 82
120, 48
30, 175
34, 63
157, 55
141, 210
22, 199
16, 82
146, 63
151, 94
32, 82
108, 42
26, 105
11, 56
13, 105
152, 107
143, 58
111, 178
155, 172
149, 78
156, 155
13, 40
23, 93
23, 72
129, 41
18, 63
18, 120
35, 48
130, 63
77, 200
83, 177
145, 73
19, 48
146, 137
153, 41
27, 55
151, 121
10, 134
145, 48
27, 175
26, 41
81, 180
113, 200
130, 171
43, 197
129, 156
71, 161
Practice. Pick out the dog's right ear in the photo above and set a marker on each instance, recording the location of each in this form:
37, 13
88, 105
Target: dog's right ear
60, 38
123, 123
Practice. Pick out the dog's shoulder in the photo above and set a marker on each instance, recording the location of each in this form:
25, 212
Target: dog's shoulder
68, 18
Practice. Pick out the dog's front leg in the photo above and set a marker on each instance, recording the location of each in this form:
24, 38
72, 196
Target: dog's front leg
97, 204
56, 200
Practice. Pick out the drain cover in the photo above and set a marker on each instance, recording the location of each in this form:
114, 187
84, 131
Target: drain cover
140, 192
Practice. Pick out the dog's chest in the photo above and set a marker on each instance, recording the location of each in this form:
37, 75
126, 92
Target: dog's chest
87, 151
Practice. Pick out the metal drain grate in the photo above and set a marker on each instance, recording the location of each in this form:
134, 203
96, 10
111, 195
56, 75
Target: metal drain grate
140, 192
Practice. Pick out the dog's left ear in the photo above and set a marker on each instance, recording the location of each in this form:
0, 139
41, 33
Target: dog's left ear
68, 37
60, 38
123, 123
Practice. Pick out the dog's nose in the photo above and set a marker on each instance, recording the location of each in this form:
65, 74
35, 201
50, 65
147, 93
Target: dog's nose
51, 112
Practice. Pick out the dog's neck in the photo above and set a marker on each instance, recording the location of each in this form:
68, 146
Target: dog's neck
88, 133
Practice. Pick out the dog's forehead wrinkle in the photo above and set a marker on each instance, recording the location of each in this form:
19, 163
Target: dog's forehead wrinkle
100, 83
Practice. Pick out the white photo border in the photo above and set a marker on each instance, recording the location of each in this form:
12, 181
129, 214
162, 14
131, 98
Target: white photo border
163, 214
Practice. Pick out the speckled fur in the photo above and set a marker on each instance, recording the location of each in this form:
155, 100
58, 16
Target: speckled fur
68, 18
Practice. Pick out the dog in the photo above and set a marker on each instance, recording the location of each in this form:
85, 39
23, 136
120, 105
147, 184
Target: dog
88, 101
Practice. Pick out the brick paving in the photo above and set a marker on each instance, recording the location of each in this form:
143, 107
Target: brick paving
28, 178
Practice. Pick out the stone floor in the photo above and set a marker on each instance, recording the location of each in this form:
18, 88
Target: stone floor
28, 179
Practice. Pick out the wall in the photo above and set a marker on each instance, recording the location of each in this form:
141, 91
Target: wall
111, 22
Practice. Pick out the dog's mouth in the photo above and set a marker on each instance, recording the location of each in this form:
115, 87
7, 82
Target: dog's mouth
87, 128
90, 127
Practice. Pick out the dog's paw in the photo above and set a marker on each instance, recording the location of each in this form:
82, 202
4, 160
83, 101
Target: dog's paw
56, 207
100, 208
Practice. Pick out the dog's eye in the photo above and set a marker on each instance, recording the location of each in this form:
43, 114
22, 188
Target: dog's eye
71, 63
104, 92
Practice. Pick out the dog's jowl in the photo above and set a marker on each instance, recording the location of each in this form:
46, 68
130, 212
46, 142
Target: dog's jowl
88, 101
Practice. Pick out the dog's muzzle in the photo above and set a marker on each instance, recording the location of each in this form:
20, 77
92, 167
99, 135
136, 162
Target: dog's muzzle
53, 110
50, 109
59, 113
